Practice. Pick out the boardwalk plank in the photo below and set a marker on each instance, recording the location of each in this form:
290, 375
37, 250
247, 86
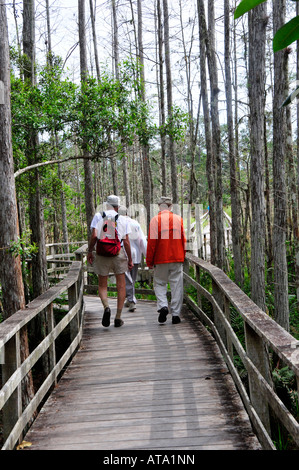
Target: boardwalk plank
143, 386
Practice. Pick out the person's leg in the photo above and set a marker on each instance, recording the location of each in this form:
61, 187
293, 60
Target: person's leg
177, 289
134, 273
131, 277
121, 295
129, 287
160, 288
103, 294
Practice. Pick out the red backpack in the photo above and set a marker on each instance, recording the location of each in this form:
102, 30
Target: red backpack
108, 244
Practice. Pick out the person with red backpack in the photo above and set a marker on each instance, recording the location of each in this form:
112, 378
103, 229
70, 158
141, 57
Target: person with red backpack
110, 238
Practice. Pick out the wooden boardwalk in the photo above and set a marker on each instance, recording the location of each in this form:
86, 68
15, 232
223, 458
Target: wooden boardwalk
143, 386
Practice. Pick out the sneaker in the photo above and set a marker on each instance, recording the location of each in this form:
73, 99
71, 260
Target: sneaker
176, 319
127, 303
163, 312
118, 322
132, 307
106, 317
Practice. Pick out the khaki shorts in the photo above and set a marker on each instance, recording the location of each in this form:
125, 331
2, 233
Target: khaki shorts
104, 265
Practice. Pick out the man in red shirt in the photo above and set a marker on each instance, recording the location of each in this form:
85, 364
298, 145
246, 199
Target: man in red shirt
166, 250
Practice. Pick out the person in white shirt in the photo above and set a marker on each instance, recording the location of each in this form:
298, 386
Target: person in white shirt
138, 248
119, 264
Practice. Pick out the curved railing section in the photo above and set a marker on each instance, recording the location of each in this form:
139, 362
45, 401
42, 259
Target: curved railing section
66, 330
263, 337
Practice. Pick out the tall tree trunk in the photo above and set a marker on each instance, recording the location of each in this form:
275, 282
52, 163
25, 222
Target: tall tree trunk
89, 203
126, 185
171, 149
193, 130
10, 265
257, 37
147, 189
94, 36
281, 298
210, 165
235, 199
213, 72
269, 243
161, 97
56, 140
297, 182
40, 281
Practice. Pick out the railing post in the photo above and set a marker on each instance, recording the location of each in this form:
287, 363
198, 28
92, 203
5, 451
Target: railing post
257, 353
50, 327
186, 266
205, 246
227, 316
217, 294
12, 410
197, 276
72, 300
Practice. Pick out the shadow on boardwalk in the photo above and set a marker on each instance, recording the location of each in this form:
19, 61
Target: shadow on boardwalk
144, 386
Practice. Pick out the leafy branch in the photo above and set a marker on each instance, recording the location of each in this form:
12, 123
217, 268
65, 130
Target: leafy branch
286, 35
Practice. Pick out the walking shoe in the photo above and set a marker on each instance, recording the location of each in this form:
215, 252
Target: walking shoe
163, 312
132, 307
118, 322
127, 303
106, 317
176, 319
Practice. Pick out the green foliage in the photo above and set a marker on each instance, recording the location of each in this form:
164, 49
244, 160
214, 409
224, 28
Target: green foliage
286, 386
109, 108
46, 107
285, 36
176, 125
22, 247
246, 5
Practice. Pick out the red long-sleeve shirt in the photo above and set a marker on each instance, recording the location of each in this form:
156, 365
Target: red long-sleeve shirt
166, 239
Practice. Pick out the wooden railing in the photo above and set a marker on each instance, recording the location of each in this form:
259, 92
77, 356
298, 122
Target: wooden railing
66, 332
263, 339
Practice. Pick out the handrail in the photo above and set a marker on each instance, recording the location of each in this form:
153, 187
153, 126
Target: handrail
15, 420
262, 334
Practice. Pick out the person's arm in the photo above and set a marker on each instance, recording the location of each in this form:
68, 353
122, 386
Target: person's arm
151, 243
184, 239
127, 247
91, 244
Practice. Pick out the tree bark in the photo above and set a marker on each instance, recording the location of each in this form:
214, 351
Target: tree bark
147, 189
235, 196
161, 97
281, 298
213, 73
10, 265
89, 204
210, 164
94, 36
257, 38
36, 215
171, 149
126, 185
297, 227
